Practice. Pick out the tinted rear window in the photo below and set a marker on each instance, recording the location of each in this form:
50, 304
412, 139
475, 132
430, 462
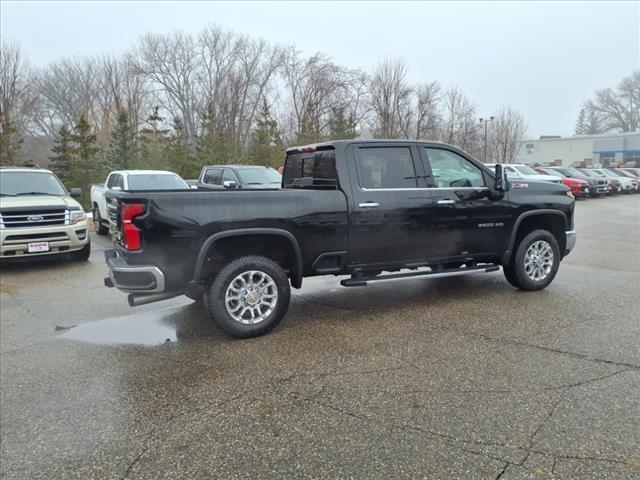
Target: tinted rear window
311, 169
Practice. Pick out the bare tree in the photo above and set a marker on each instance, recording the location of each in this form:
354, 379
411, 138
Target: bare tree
618, 109
170, 63
460, 127
390, 96
507, 130
428, 115
16, 94
315, 88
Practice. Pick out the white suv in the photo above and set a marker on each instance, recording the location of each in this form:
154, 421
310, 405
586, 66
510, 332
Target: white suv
38, 216
517, 171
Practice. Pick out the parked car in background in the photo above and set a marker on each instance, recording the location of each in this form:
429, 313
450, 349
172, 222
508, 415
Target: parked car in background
635, 171
627, 185
519, 172
625, 173
243, 177
38, 216
615, 186
597, 186
130, 180
578, 186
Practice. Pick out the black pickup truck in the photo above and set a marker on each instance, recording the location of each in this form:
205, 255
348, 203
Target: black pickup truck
374, 210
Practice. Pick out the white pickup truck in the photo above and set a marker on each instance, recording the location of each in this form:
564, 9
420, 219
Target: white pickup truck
131, 180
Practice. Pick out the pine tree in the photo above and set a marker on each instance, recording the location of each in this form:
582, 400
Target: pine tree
88, 166
62, 163
308, 129
123, 150
176, 155
342, 127
153, 140
214, 146
267, 147
581, 123
10, 141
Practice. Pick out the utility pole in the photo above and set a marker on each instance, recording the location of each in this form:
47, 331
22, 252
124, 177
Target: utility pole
485, 121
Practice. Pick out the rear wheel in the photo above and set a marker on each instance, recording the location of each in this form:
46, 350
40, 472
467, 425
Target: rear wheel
249, 296
97, 222
535, 262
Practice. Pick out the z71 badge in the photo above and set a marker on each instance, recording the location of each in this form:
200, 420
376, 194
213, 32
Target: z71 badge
491, 225
519, 185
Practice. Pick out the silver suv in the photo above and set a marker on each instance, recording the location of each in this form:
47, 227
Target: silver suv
38, 216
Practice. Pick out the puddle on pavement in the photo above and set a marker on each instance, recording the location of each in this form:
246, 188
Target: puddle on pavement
145, 329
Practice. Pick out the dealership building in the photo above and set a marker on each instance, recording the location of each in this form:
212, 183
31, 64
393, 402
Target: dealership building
601, 150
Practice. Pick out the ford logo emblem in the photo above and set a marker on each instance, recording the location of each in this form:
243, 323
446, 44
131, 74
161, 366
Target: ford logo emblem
35, 218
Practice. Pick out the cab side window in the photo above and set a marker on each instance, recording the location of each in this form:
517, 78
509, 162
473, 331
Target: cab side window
112, 180
213, 176
228, 175
385, 167
451, 170
119, 182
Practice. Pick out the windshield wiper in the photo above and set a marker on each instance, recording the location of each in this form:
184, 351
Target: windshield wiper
37, 193
7, 194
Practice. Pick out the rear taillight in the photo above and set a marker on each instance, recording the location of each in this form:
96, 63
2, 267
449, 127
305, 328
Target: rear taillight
131, 235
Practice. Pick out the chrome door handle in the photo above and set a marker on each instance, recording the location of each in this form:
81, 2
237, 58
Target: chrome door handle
446, 202
369, 205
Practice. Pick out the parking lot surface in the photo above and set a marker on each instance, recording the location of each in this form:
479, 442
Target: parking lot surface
453, 378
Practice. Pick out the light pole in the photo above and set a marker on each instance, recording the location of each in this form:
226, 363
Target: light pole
485, 121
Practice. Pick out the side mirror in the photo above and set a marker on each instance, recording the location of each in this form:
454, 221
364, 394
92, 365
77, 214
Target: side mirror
76, 192
502, 183
229, 184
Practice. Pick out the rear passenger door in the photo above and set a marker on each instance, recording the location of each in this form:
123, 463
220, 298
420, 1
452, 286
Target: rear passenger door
390, 199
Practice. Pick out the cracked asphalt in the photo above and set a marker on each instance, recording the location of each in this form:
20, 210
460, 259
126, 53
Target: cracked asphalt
440, 379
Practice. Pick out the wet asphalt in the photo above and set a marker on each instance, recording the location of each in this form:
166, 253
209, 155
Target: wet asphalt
440, 379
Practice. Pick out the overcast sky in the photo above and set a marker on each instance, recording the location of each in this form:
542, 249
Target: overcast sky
543, 58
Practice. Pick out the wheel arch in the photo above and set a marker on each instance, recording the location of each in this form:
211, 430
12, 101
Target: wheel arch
283, 237
554, 221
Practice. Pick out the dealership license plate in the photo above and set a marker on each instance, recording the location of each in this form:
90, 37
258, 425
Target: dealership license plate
35, 247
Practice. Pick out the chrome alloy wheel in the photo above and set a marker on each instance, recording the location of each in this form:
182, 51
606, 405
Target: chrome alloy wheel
251, 297
538, 261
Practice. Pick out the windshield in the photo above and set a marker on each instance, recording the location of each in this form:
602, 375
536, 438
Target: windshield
156, 181
555, 173
260, 176
575, 172
30, 183
526, 170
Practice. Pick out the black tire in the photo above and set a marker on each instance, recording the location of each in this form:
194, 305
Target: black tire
216, 295
516, 273
97, 222
83, 254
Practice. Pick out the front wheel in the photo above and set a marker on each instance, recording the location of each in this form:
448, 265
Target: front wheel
249, 296
97, 222
535, 263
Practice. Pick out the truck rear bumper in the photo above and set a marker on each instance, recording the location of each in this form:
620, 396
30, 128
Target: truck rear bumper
571, 241
132, 278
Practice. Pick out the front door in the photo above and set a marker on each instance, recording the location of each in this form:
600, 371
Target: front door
464, 219
390, 200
